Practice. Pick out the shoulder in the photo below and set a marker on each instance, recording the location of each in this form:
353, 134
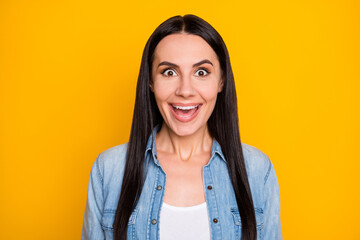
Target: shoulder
114, 152
258, 164
112, 159
265, 191
106, 177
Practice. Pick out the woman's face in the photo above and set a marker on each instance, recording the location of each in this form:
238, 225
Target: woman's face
186, 78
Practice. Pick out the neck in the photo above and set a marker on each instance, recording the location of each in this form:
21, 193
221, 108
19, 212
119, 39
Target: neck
185, 147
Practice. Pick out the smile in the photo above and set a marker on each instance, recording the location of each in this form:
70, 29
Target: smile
185, 113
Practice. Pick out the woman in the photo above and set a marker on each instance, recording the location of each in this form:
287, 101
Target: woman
184, 173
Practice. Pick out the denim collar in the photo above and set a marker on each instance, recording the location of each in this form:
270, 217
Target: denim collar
151, 148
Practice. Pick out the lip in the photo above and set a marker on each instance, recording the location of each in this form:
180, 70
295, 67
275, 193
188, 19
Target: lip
185, 104
185, 118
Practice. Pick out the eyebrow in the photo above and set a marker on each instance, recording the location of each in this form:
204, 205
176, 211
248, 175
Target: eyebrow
195, 64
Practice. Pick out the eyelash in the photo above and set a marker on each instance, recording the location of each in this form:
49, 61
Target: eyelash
167, 70
200, 69
205, 70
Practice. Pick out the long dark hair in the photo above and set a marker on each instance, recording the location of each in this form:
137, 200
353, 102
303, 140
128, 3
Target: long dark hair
222, 125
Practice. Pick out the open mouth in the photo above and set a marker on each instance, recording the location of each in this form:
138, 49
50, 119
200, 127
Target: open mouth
185, 113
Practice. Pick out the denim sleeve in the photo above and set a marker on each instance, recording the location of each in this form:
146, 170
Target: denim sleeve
92, 229
272, 225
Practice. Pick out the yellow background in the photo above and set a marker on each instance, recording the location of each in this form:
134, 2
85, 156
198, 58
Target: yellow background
68, 71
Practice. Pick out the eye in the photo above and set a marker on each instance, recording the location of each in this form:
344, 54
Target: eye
169, 73
201, 72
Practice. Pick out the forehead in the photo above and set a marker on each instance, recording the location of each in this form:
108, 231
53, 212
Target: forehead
182, 47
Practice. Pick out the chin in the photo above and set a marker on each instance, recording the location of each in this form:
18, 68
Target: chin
185, 130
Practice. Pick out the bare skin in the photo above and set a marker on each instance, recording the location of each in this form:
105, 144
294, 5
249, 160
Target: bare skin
185, 73
182, 159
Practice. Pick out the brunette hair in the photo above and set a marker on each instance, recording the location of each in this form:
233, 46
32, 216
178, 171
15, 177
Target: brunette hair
222, 125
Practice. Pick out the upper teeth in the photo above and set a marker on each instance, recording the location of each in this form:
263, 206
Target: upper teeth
185, 107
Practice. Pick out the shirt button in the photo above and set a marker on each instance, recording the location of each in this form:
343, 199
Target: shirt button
215, 220
159, 187
153, 221
209, 187
155, 156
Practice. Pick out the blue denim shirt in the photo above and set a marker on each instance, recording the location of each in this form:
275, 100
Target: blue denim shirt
224, 218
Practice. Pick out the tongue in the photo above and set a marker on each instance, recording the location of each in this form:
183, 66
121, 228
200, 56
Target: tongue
185, 112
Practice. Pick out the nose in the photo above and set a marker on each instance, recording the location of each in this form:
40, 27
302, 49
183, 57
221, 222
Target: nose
185, 88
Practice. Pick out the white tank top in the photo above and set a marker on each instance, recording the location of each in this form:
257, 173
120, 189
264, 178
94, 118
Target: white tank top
184, 223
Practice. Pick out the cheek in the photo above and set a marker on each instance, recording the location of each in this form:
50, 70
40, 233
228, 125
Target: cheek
162, 91
209, 92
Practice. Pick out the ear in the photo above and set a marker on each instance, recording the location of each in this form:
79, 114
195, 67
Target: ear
151, 85
221, 84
